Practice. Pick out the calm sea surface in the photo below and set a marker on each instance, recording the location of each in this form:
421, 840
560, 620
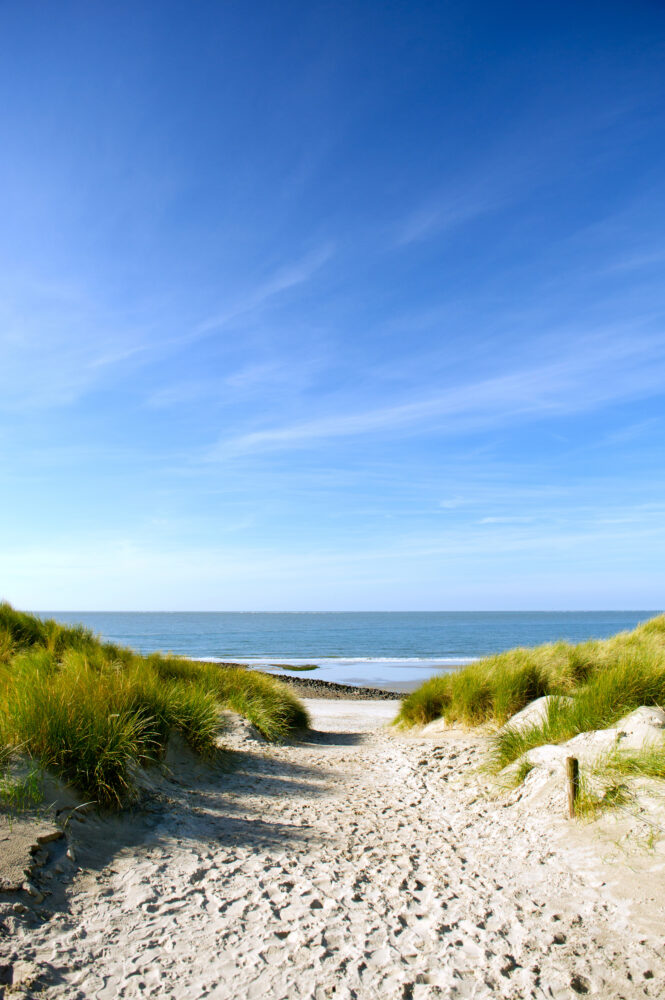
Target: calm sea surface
354, 648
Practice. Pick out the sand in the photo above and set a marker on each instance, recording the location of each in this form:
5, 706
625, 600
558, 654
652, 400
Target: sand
359, 863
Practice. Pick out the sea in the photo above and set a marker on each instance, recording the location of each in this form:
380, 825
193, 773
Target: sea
357, 648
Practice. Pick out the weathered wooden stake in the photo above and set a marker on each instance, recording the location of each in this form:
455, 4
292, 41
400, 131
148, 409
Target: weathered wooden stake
572, 783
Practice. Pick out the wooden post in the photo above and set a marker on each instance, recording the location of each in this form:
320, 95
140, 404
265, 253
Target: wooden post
572, 783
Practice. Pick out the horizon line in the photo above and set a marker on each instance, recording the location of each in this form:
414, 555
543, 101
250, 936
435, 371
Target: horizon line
462, 611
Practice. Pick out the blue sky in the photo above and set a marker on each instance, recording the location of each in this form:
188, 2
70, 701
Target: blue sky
353, 306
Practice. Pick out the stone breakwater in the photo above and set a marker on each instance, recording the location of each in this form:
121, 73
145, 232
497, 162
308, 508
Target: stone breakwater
310, 687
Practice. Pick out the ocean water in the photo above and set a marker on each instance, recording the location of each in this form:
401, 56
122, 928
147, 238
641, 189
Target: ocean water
370, 648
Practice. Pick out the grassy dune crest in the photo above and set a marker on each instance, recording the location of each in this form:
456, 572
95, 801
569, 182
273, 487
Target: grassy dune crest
602, 680
90, 711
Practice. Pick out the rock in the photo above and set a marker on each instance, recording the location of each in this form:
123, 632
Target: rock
310, 687
49, 836
33, 891
19, 908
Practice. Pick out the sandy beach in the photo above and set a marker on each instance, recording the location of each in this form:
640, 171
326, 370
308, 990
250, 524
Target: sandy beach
358, 863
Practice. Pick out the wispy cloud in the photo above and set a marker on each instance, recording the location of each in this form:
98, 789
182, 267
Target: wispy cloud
69, 342
509, 172
283, 279
177, 576
638, 261
117, 357
505, 519
261, 379
632, 432
182, 392
58, 340
441, 214
593, 374
495, 179
452, 503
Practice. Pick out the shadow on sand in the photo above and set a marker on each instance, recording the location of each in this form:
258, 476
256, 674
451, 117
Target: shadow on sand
211, 805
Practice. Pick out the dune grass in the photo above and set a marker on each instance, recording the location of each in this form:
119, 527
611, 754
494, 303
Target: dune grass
609, 780
293, 666
598, 792
91, 711
269, 705
597, 682
648, 762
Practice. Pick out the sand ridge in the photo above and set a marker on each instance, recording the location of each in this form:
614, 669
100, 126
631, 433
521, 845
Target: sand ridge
358, 863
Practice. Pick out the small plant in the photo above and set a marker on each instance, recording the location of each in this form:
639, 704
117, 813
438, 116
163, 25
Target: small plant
603, 794
512, 777
19, 794
525, 767
649, 762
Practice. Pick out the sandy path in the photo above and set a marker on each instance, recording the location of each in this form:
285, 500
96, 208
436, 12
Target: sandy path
358, 864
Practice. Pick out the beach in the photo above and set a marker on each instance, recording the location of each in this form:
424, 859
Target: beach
332, 605
355, 862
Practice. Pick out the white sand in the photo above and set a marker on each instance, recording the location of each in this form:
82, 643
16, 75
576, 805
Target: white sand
359, 864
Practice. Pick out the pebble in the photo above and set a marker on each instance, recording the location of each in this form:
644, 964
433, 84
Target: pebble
33, 891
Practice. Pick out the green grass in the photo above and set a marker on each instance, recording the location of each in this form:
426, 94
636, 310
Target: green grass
291, 666
614, 774
604, 680
604, 792
525, 767
648, 762
263, 700
90, 711
20, 794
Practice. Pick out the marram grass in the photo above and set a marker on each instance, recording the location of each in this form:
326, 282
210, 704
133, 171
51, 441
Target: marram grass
597, 683
90, 711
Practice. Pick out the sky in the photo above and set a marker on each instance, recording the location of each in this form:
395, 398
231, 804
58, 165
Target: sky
332, 306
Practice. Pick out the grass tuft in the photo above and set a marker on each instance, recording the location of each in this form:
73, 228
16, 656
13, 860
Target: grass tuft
593, 800
648, 762
524, 768
89, 711
594, 683
20, 794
